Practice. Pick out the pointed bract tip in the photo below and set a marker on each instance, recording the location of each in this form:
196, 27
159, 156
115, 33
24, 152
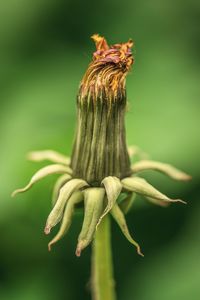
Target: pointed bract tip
179, 200
47, 229
139, 251
49, 246
79, 248
187, 177
19, 191
14, 193
78, 251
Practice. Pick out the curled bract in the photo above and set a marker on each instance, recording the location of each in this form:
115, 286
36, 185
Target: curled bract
49, 170
99, 201
113, 189
121, 221
93, 207
166, 169
76, 198
65, 193
142, 187
50, 155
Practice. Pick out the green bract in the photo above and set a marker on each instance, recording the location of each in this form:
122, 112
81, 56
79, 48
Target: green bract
97, 201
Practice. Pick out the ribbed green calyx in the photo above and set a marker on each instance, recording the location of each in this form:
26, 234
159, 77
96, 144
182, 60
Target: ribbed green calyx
100, 145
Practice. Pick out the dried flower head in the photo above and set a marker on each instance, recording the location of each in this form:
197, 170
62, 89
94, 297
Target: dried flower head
100, 169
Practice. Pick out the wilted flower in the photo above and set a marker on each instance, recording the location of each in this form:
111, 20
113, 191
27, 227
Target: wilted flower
100, 170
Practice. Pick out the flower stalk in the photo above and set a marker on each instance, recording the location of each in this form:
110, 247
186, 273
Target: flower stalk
102, 282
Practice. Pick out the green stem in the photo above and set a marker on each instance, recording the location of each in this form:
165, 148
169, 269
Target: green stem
102, 268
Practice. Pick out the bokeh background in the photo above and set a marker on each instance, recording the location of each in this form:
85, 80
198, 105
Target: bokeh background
45, 49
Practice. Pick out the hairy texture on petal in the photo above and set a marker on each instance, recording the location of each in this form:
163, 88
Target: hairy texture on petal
141, 186
120, 219
48, 170
75, 198
64, 195
93, 201
58, 185
50, 155
161, 167
126, 204
113, 188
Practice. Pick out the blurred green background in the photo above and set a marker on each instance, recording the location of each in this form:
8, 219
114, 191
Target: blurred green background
44, 51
